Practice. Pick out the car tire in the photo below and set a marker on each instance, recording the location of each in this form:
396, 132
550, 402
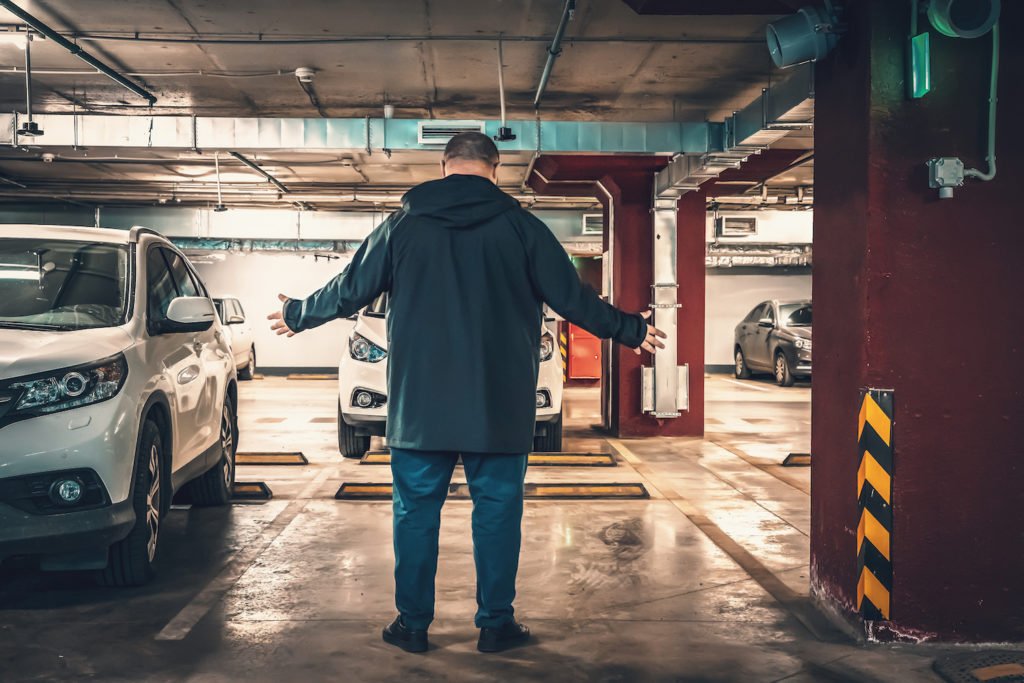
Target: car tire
551, 440
214, 487
741, 369
783, 373
131, 560
350, 443
249, 371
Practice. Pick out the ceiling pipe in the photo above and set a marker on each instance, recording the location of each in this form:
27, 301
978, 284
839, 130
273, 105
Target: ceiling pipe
554, 50
30, 128
77, 51
256, 167
505, 133
171, 37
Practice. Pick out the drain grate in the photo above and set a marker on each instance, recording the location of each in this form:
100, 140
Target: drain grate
535, 459
294, 458
1001, 666
251, 491
382, 491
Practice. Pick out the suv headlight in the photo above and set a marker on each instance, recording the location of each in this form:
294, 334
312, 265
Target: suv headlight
361, 348
68, 388
547, 346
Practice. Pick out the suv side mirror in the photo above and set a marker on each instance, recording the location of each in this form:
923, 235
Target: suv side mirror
188, 314
236, 320
766, 322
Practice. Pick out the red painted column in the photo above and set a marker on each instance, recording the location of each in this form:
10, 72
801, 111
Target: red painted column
625, 186
921, 296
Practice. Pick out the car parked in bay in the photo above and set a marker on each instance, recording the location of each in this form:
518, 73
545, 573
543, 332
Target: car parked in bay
239, 334
362, 385
775, 337
117, 390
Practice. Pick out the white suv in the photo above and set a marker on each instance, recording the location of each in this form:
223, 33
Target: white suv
362, 390
239, 332
117, 389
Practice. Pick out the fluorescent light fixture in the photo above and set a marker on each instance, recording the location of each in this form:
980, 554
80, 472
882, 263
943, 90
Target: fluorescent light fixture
20, 274
13, 38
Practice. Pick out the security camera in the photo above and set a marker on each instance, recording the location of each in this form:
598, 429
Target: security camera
305, 74
48, 157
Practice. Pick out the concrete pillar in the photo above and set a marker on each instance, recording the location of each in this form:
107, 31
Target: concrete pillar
921, 296
624, 185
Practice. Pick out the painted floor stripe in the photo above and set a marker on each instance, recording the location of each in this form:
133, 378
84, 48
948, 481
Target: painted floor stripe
746, 385
182, 624
801, 609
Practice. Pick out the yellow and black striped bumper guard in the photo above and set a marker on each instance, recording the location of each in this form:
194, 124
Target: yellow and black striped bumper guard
874, 492
563, 348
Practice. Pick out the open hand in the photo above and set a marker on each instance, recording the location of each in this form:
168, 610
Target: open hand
651, 342
277, 324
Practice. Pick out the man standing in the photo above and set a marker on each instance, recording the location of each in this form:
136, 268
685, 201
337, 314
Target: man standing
468, 271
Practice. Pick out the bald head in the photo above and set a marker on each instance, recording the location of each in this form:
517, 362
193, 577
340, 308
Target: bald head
471, 154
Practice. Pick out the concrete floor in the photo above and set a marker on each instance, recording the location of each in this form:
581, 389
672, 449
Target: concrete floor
705, 581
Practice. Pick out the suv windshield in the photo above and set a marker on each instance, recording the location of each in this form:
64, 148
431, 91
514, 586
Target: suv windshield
795, 315
62, 284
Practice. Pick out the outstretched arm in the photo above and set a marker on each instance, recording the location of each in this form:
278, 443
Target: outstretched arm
357, 285
557, 283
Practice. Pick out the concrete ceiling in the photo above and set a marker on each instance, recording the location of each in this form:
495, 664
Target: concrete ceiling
430, 58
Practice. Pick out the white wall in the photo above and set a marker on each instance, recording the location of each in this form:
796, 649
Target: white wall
256, 279
731, 293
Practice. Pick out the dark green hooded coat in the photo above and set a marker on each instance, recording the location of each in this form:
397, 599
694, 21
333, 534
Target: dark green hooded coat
468, 271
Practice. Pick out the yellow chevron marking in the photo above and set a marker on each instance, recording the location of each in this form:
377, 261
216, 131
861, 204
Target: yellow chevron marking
871, 528
868, 585
874, 473
562, 338
871, 413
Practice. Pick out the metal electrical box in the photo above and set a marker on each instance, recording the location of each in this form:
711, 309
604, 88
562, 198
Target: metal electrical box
647, 384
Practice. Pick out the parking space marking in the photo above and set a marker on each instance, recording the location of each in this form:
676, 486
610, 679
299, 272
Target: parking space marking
746, 385
182, 624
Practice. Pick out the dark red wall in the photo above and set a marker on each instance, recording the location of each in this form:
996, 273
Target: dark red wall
921, 295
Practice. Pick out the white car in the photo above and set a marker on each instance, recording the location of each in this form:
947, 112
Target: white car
362, 391
239, 332
117, 390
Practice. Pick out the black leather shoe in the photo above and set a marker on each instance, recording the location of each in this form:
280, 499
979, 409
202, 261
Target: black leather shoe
502, 638
408, 639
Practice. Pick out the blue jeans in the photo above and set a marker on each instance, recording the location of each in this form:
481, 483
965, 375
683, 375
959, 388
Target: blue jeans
421, 481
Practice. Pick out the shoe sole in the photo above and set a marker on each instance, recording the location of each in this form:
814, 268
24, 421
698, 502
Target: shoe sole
414, 648
503, 645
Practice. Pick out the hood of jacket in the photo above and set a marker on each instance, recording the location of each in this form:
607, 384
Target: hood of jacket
457, 201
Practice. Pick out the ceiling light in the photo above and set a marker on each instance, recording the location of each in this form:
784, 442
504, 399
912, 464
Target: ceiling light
13, 38
964, 18
806, 36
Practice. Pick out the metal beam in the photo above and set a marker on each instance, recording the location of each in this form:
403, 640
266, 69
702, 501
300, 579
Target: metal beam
187, 133
77, 51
